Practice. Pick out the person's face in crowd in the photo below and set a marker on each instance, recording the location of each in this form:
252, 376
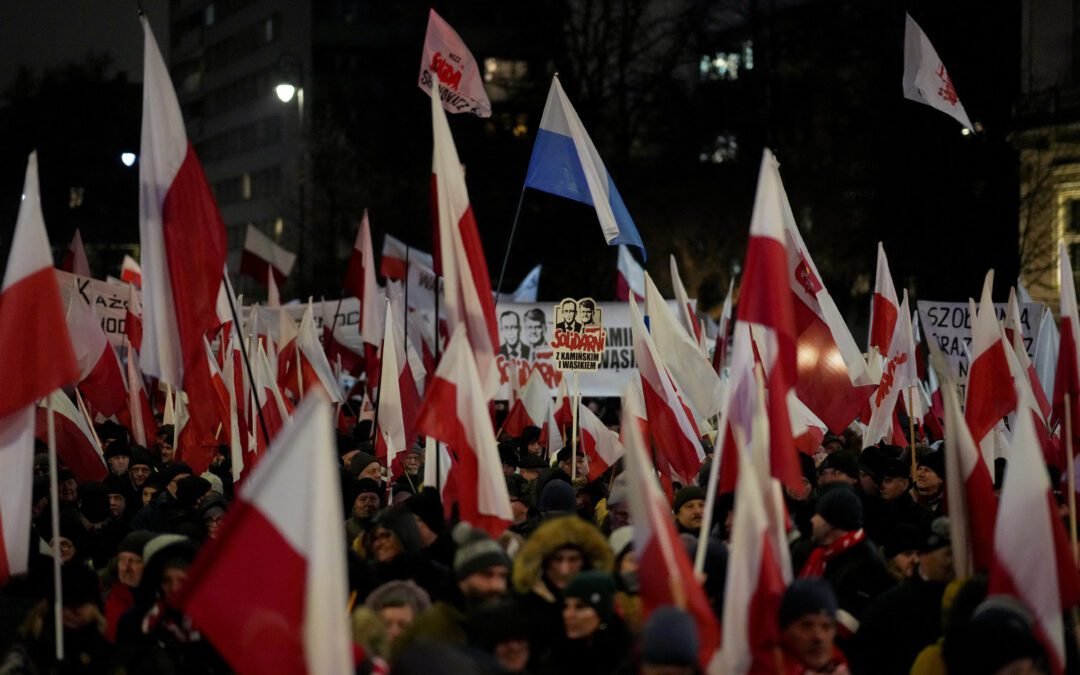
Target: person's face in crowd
579, 619
562, 566
486, 584
411, 463
867, 484
822, 533
172, 580
533, 448
68, 490
569, 311
533, 331
519, 509
927, 482
691, 514
212, 522
385, 545
585, 313
832, 446
372, 471
627, 564
67, 549
119, 465
172, 486
810, 639
510, 329
139, 473
148, 493
802, 493
129, 567
619, 515
829, 475
427, 535
39, 506
893, 487
117, 504
529, 474
365, 505
937, 565
166, 451
512, 655
905, 563
396, 620
582, 466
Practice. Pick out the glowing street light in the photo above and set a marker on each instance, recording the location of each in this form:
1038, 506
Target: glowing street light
127, 158
285, 91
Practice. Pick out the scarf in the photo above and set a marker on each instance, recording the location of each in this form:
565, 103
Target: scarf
815, 565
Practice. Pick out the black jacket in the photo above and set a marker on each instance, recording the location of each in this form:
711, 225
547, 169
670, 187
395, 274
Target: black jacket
897, 626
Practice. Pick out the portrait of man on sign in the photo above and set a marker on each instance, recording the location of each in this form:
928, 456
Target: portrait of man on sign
534, 329
510, 332
566, 318
586, 313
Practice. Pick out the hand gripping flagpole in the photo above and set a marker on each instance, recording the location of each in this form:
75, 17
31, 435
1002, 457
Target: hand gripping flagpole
244, 351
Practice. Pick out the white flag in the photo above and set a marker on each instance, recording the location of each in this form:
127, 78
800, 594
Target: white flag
925, 77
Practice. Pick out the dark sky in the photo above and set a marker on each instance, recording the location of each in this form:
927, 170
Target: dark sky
47, 33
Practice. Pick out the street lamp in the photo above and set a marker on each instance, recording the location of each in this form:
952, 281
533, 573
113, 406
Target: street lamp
290, 85
285, 91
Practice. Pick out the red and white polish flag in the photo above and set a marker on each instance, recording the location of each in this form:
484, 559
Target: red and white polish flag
269, 403
884, 307
399, 394
723, 330
991, 394
698, 384
182, 236
533, 407
1067, 374
133, 319
671, 423
315, 369
455, 413
262, 257
630, 277
76, 446
897, 378
36, 357
360, 281
139, 415
101, 380
75, 258
686, 314
131, 272
271, 592
467, 284
600, 444
563, 412
667, 576
1014, 335
397, 256
1028, 521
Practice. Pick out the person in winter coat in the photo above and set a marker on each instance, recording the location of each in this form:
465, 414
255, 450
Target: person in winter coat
366, 498
905, 619
669, 643
129, 569
593, 640
555, 553
394, 553
808, 630
845, 557
897, 505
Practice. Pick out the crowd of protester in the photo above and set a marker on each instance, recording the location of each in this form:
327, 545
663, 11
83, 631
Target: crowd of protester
558, 592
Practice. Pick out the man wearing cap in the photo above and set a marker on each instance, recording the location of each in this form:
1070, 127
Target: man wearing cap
839, 467
481, 570
118, 456
896, 504
530, 440
368, 496
689, 508
832, 443
427, 509
844, 556
129, 568
669, 643
904, 620
808, 629
930, 481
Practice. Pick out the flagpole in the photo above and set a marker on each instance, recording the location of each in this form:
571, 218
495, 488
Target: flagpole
243, 353
911, 431
509, 243
710, 493
1070, 469
378, 392
574, 428
405, 317
54, 508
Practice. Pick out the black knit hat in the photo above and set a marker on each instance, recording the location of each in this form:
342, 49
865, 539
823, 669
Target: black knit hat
530, 434
189, 489
476, 551
119, 447
508, 453
139, 455
365, 485
902, 538
596, 589
360, 461
135, 541
687, 494
938, 537
530, 461
558, 497
174, 470
935, 461
841, 507
843, 461
427, 507
94, 501
806, 596
895, 468
669, 638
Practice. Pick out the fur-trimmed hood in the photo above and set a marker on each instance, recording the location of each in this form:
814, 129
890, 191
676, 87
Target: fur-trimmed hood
550, 537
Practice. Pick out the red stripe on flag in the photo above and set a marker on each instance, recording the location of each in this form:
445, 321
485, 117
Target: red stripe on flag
104, 386
474, 253
881, 330
73, 448
195, 247
252, 612
393, 268
992, 394
37, 361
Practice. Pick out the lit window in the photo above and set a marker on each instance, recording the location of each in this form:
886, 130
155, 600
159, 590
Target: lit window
75, 197
279, 227
245, 185
726, 65
502, 75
